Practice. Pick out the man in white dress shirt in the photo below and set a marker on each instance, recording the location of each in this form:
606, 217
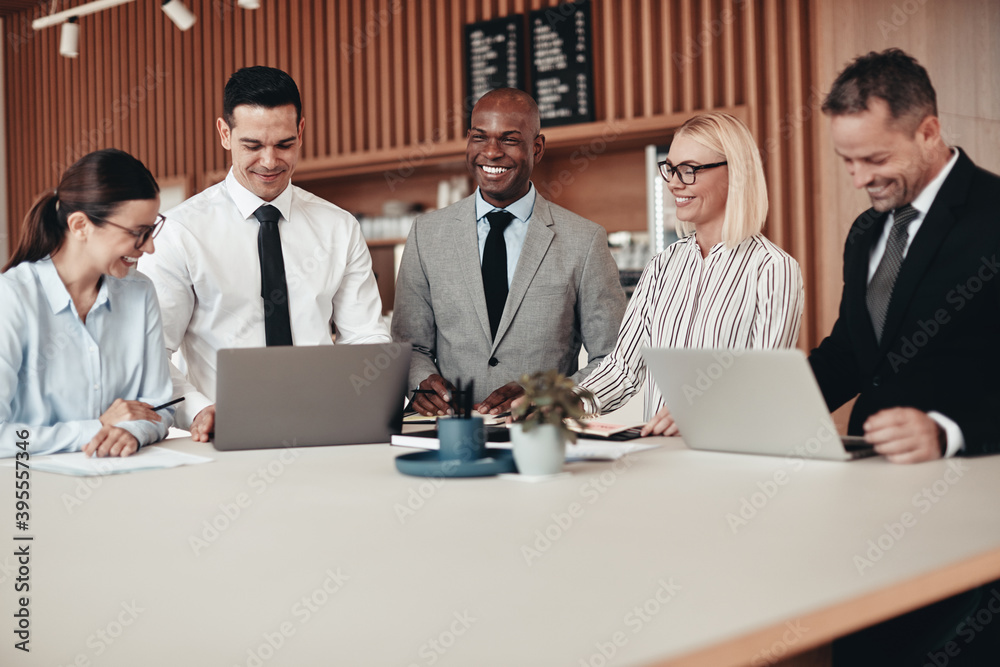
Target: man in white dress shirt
255, 234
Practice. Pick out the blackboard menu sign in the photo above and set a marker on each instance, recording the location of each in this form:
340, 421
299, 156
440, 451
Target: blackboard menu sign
494, 53
562, 67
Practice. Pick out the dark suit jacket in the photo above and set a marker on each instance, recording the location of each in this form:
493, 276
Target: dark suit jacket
941, 345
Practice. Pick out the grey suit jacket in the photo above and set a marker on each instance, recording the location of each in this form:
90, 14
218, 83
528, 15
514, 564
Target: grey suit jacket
565, 291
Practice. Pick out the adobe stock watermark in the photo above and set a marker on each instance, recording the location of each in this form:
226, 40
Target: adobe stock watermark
25, 33
301, 612
793, 120
419, 154
99, 135
230, 511
562, 522
418, 496
103, 638
296, 275
437, 646
711, 29
706, 377
751, 505
85, 486
899, 16
374, 365
376, 22
968, 630
635, 620
923, 501
772, 655
581, 159
957, 298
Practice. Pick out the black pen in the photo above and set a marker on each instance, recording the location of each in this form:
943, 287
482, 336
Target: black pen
168, 404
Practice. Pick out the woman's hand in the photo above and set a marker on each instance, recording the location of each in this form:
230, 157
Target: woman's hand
111, 441
128, 411
661, 424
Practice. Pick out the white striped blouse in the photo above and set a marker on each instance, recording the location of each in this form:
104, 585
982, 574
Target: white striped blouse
749, 296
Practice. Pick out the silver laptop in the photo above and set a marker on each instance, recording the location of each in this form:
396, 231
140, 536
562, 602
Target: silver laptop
750, 402
305, 396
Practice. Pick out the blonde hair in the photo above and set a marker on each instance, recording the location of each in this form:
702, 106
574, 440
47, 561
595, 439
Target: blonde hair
746, 199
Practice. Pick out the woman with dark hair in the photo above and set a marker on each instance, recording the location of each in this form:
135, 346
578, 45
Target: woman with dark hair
81, 351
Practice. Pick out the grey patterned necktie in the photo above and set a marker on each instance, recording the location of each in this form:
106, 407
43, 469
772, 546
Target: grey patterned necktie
880, 288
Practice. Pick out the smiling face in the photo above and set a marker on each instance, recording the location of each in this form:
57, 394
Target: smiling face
112, 250
265, 145
503, 147
704, 202
883, 156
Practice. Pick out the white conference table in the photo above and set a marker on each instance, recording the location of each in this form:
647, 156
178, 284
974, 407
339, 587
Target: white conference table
335, 558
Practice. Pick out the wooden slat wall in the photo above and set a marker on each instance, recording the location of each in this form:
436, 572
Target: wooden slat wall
383, 80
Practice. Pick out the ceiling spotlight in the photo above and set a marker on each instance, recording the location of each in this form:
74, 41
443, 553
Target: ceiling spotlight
69, 38
249, 4
179, 14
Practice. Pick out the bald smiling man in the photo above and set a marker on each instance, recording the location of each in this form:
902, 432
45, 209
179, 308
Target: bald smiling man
503, 282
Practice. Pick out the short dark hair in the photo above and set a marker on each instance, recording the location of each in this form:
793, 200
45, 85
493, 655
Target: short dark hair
893, 76
259, 86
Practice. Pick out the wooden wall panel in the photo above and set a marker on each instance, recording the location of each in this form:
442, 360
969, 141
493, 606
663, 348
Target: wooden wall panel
383, 87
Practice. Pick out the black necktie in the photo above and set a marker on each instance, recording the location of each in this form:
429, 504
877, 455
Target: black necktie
880, 288
495, 267
273, 289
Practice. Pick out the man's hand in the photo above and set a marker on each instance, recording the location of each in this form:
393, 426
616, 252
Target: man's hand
111, 441
905, 435
661, 424
436, 402
128, 411
203, 425
500, 400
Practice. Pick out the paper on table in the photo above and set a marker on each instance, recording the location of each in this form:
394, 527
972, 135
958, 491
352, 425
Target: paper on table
79, 464
488, 420
604, 450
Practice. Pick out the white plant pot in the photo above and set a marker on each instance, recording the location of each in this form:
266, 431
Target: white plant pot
540, 451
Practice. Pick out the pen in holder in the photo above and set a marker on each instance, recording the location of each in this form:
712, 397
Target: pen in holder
461, 436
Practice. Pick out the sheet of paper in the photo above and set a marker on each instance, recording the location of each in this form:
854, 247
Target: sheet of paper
488, 420
604, 450
601, 428
78, 464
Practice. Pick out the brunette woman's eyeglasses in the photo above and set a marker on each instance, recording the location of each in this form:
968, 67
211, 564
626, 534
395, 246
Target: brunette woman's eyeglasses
141, 234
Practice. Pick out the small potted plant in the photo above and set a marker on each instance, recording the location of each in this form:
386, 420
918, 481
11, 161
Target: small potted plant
539, 432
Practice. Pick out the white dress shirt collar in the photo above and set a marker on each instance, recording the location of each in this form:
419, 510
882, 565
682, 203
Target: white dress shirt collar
922, 202
247, 202
55, 290
521, 209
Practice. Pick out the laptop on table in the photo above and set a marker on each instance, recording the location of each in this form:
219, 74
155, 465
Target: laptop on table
307, 396
749, 402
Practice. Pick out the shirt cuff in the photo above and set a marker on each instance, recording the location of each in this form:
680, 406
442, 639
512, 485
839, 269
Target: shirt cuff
141, 431
953, 438
193, 403
591, 404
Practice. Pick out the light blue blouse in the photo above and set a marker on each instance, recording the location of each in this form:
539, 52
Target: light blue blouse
58, 375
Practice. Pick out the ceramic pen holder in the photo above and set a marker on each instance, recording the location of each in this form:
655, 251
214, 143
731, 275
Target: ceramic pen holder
462, 438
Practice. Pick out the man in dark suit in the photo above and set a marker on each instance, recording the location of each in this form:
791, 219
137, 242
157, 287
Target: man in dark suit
918, 335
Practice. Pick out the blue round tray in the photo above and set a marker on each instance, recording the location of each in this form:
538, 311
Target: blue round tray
429, 464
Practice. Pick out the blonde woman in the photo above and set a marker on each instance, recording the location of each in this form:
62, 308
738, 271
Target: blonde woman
721, 285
